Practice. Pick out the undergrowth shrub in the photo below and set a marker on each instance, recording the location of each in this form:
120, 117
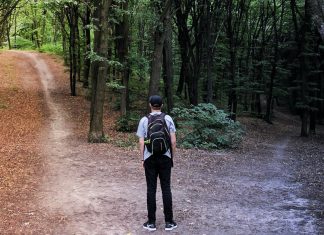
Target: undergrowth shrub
22, 43
52, 48
128, 123
204, 126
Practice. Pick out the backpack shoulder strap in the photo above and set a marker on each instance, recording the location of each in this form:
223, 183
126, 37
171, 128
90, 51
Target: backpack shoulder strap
149, 119
163, 116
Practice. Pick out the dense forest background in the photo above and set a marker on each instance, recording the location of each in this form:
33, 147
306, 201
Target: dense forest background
244, 56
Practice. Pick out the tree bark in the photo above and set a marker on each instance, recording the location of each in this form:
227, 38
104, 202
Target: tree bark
167, 64
305, 122
8, 35
87, 35
96, 133
122, 48
232, 101
300, 37
72, 17
186, 50
312, 122
317, 12
268, 115
159, 37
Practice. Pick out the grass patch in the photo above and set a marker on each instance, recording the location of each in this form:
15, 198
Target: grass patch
52, 49
22, 44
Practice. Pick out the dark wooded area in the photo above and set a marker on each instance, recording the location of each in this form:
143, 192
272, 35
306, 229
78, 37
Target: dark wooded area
244, 56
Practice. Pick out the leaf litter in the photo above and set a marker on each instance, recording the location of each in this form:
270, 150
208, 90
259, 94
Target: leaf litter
257, 188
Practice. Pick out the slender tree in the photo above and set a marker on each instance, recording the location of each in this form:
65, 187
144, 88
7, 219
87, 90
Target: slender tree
71, 12
273, 64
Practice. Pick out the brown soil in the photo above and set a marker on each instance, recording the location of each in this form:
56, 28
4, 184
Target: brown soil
53, 182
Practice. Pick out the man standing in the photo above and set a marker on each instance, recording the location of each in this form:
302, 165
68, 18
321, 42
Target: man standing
157, 153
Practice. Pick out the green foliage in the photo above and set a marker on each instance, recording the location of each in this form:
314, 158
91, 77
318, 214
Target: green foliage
22, 43
52, 48
205, 126
128, 123
139, 65
122, 142
114, 85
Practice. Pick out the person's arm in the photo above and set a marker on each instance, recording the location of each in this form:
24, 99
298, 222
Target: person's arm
141, 148
173, 143
141, 134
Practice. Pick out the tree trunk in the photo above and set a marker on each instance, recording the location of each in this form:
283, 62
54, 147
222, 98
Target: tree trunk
186, 73
122, 47
78, 46
61, 17
156, 62
43, 29
8, 35
87, 35
96, 133
168, 64
232, 100
300, 37
181, 79
317, 13
312, 122
274, 66
72, 16
159, 37
305, 123
209, 51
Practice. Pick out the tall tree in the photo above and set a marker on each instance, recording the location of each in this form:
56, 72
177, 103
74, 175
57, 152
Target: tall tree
164, 8
86, 21
96, 133
72, 15
274, 63
168, 63
122, 50
236, 12
190, 24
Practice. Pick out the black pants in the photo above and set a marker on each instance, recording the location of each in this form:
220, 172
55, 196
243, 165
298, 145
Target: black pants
158, 166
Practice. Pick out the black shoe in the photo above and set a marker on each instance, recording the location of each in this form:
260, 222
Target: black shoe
170, 225
149, 226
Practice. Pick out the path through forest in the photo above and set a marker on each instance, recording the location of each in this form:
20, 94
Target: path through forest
100, 188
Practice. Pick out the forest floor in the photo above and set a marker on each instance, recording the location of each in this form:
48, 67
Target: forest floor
53, 182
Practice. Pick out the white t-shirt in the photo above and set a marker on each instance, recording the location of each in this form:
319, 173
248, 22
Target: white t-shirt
142, 132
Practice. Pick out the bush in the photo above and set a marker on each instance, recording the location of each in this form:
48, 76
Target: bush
52, 48
204, 126
128, 123
22, 43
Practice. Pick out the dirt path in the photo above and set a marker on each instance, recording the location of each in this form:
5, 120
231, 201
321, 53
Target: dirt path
100, 189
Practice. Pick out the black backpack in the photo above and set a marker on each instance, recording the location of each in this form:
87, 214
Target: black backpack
158, 137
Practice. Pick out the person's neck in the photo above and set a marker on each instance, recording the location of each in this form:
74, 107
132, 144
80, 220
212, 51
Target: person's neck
155, 111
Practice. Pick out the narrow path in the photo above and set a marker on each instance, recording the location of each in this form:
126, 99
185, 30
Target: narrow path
253, 193
101, 189
80, 181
